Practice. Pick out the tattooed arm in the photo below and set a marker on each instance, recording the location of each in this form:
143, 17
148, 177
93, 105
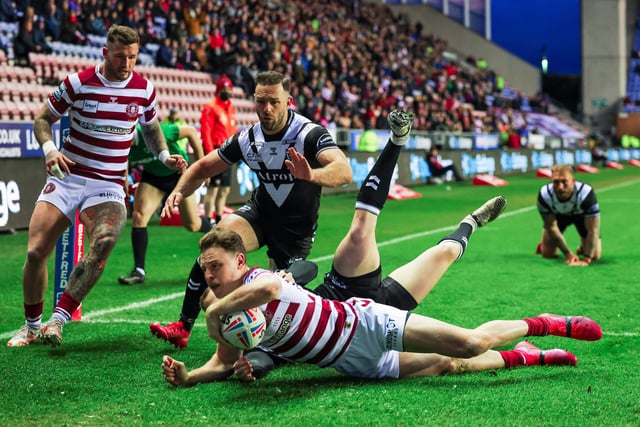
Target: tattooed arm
154, 138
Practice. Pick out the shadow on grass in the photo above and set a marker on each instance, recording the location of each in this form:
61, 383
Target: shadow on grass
308, 382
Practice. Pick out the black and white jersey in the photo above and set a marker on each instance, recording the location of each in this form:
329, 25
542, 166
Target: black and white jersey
265, 155
582, 202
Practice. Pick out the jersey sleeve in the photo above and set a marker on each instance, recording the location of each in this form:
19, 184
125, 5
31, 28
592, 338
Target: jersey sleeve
544, 208
230, 151
590, 205
317, 140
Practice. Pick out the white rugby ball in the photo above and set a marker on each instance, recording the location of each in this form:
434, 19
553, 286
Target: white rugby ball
243, 329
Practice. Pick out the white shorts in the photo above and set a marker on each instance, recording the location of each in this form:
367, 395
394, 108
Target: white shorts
373, 352
76, 192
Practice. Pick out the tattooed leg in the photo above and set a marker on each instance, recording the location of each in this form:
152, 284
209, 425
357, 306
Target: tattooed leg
104, 223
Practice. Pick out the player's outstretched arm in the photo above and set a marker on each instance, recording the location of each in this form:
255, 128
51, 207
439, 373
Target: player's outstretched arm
215, 369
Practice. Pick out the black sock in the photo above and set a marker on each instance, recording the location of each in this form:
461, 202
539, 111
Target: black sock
196, 285
375, 188
218, 218
461, 235
205, 224
139, 241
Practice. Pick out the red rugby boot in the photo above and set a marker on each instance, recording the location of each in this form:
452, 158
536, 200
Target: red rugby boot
536, 357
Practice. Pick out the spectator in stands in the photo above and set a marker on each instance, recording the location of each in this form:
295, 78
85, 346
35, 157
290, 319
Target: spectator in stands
40, 36
187, 55
9, 12
217, 123
564, 202
24, 43
172, 25
72, 31
598, 155
166, 56
514, 141
96, 24
437, 169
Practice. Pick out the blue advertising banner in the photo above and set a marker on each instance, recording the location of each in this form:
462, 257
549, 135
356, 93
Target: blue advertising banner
17, 140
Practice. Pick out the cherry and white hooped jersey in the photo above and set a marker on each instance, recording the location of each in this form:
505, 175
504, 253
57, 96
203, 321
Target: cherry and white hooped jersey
304, 327
102, 120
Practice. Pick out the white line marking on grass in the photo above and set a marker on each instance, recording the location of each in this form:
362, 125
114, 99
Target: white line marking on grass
99, 313
132, 306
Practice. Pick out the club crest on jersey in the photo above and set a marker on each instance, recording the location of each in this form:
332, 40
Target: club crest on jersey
132, 110
49, 188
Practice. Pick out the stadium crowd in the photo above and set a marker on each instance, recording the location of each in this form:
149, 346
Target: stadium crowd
351, 63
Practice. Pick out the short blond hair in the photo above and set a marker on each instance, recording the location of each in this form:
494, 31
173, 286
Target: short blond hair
562, 169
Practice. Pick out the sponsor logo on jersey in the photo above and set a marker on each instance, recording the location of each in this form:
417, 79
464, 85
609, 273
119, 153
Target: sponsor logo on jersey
105, 129
110, 195
90, 106
59, 92
283, 327
391, 335
325, 140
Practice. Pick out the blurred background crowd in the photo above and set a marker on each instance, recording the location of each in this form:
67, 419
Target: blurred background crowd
350, 62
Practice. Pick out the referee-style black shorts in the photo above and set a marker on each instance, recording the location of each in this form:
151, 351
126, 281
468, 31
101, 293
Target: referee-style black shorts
162, 183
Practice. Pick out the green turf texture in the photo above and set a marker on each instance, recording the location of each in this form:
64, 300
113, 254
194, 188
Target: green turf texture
107, 371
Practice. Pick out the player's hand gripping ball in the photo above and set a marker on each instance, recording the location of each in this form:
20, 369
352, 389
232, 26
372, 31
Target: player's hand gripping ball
243, 329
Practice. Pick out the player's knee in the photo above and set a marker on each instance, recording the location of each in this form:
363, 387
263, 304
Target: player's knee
475, 343
359, 233
104, 243
36, 255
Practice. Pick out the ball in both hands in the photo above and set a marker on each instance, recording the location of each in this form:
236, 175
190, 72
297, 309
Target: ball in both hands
243, 329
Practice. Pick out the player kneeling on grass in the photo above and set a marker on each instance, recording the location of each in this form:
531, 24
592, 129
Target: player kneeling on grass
561, 203
360, 337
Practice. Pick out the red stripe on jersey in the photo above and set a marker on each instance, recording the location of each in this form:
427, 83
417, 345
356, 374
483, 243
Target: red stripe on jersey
337, 333
319, 329
295, 338
94, 156
348, 341
77, 169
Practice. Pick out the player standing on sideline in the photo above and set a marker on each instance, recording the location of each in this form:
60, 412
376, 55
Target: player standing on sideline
293, 159
565, 201
104, 102
217, 123
157, 181
360, 337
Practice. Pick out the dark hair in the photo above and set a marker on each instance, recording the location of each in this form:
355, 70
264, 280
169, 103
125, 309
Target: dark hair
228, 240
122, 34
270, 78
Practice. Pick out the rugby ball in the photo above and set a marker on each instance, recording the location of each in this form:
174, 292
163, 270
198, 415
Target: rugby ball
243, 329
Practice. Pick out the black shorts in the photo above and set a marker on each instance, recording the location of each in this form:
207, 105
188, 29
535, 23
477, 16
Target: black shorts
565, 221
286, 238
386, 291
221, 180
162, 183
